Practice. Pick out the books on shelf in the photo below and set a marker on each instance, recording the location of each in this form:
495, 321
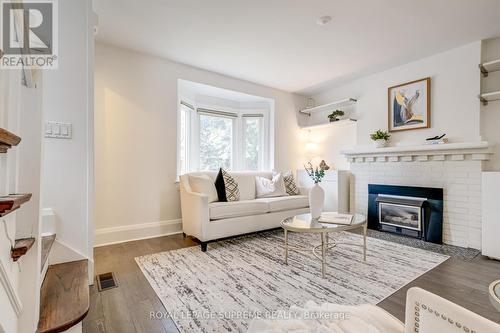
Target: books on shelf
336, 218
436, 142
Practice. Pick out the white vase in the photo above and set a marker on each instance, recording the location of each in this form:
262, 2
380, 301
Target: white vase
316, 200
380, 143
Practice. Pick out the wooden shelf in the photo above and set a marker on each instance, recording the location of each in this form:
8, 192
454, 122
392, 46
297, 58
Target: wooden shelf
64, 297
21, 247
340, 122
12, 202
490, 66
7, 140
489, 97
324, 107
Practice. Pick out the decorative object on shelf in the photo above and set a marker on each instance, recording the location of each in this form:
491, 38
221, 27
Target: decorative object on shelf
410, 105
335, 115
316, 193
436, 140
380, 138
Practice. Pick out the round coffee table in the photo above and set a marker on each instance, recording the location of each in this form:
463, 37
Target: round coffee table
305, 223
495, 294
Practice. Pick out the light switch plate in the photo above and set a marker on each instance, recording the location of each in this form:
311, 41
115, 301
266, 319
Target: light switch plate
57, 130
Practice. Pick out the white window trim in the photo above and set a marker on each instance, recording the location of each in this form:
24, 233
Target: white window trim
238, 161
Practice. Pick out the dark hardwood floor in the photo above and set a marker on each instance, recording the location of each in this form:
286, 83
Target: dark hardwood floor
128, 307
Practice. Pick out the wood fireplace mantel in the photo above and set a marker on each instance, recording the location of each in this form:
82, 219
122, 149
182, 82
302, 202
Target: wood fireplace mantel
479, 151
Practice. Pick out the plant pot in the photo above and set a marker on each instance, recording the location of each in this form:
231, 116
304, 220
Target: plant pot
316, 200
380, 143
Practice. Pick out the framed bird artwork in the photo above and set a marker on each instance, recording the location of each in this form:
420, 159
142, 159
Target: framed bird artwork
410, 105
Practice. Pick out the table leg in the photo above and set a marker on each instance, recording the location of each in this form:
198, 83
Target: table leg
323, 250
286, 247
364, 241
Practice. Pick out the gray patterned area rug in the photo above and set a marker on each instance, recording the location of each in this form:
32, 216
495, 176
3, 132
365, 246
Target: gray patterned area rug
221, 289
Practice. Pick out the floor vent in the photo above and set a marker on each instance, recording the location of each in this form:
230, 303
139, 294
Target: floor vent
106, 281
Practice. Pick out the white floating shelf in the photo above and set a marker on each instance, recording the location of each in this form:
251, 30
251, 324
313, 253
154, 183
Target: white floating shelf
489, 97
336, 104
333, 123
490, 66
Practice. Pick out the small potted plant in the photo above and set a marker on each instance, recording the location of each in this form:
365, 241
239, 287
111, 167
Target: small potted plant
335, 115
380, 138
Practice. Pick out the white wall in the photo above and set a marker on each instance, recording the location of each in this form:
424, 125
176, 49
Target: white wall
135, 136
455, 109
67, 187
490, 114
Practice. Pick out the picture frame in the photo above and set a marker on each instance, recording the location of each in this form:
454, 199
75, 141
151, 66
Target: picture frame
409, 105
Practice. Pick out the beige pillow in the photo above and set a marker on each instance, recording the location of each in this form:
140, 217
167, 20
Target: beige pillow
205, 185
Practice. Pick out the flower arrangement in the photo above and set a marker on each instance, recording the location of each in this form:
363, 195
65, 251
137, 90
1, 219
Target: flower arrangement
316, 173
334, 116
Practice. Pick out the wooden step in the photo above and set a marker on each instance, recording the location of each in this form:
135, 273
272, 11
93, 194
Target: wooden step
8, 139
21, 247
12, 202
47, 242
64, 296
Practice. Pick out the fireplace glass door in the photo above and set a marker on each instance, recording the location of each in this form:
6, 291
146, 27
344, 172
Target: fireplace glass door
404, 216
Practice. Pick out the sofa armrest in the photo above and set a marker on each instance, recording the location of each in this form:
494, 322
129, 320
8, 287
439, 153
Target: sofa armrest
194, 207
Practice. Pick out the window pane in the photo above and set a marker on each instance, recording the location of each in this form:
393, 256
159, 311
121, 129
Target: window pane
182, 140
252, 145
216, 142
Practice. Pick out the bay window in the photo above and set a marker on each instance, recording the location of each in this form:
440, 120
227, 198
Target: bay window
210, 138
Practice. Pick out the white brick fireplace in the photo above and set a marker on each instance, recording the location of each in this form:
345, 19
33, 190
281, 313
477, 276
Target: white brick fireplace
454, 167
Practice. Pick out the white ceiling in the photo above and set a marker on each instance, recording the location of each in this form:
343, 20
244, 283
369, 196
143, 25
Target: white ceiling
278, 43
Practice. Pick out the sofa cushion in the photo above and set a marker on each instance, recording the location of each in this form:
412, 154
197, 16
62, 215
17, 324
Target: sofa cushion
286, 203
205, 185
223, 210
267, 188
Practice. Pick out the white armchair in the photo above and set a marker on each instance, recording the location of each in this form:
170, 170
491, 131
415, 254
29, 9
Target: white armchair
425, 313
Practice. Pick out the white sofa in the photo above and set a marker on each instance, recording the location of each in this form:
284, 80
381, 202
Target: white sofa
211, 221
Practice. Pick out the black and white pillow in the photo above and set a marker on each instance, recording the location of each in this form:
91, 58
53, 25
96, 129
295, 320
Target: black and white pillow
291, 187
226, 186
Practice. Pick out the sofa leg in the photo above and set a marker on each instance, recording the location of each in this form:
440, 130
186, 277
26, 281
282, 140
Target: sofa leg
204, 246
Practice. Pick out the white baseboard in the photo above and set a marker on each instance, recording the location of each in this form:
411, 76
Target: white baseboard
126, 233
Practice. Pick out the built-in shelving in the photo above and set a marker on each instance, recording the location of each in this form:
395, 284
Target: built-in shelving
7, 140
12, 202
490, 66
489, 97
333, 123
337, 104
21, 247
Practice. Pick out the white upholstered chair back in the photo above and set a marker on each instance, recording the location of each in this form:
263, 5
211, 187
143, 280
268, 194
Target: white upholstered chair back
429, 313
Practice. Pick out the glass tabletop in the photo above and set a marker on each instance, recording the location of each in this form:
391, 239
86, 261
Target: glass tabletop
306, 223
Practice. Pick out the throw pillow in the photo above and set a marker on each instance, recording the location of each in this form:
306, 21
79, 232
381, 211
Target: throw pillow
203, 184
219, 186
231, 187
267, 188
290, 185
